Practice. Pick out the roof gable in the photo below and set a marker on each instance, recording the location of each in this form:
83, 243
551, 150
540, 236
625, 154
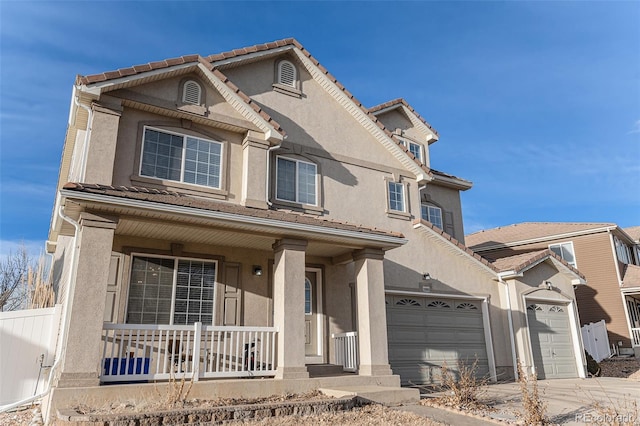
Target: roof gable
417, 121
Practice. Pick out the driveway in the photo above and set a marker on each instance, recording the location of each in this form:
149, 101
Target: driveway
572, 401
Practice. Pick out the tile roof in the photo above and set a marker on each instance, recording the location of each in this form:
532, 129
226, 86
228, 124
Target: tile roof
631, 276
527, 231
182, 200
519, 262
633, 232
238, 53
401, 101
139, 69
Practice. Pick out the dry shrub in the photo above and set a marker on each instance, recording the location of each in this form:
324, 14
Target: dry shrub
463, 388
177, 392
535, 409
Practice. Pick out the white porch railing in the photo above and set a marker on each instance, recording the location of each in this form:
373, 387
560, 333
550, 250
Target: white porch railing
635, 337
346, 350
136, 352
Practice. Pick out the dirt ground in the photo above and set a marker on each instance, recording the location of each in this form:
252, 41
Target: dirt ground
371, 415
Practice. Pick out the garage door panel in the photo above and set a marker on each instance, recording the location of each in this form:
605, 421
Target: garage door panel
551, 340
425, 333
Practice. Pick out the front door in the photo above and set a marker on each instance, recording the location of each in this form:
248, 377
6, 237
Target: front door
313, 329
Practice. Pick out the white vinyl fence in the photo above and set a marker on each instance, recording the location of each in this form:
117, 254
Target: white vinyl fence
596, 341
27, 343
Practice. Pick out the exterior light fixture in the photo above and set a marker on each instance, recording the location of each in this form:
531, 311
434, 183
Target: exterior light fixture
549, 285
257, 270
426, 276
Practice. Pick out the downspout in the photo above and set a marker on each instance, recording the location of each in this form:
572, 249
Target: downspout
71, 281
85, 147
510, 322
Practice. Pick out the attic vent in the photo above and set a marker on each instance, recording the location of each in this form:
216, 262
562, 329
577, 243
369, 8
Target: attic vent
287, 73
191, 93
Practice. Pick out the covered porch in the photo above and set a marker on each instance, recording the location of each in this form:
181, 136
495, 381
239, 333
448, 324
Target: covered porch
265, 293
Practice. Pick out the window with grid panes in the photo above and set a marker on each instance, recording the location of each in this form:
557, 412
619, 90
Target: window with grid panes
181, 158
396, 196
171, 291
432, 214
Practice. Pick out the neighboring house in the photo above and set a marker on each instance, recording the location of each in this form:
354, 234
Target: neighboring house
243, 215
608, 256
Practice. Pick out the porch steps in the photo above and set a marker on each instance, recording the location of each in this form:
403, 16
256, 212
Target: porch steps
385, 395
324, 370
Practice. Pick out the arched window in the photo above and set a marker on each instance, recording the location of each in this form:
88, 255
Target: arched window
287, 74
191, 93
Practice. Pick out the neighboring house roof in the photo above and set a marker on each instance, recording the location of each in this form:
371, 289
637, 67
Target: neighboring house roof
398, 103
518, 263
177, 199
631, 276
219, 60
530, 232
633, 232
521, 262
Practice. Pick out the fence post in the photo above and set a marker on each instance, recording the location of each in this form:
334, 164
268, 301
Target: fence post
195, 369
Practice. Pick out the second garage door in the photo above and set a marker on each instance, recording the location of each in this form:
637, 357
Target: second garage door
551, 342
426, 332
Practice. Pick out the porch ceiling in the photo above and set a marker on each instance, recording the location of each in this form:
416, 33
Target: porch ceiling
184, 228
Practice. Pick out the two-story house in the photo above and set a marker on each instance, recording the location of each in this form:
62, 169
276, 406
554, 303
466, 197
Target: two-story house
243, 215
607, 255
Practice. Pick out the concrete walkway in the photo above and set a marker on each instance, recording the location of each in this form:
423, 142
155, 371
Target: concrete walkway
569, 402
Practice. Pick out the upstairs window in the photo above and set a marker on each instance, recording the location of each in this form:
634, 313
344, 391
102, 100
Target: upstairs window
191, 93
296, 181
396, 196
181, 158
171, 291
414, 148
565, 251
432, 214
287, 74
623, 251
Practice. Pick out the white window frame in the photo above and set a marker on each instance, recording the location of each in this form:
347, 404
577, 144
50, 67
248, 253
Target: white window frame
567, 243
402, 192
297, 162
410, 144
294, 82
623, 252
183, 159
184, 92
175, 259
428, 215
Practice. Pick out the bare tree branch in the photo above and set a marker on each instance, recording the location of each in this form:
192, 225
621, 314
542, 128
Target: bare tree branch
14, 292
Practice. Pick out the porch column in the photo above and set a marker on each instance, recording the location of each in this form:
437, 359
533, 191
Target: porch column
288, 307
80, 365
372, 319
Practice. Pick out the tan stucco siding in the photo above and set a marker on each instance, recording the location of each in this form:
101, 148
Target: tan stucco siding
129, 146
314, 120
449, 201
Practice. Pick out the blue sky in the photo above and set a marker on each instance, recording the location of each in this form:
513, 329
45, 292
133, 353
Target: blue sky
537, 103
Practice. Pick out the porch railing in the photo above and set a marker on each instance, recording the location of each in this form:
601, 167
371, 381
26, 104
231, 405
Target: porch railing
136, 352
635, 337
346, 350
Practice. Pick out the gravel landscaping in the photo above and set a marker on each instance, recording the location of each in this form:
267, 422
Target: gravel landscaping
367, 415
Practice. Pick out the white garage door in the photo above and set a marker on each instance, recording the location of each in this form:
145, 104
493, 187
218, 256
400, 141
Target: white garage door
426, 332
551, 341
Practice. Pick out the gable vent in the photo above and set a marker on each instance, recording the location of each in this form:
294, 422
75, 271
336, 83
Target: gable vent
191, 93
287, 73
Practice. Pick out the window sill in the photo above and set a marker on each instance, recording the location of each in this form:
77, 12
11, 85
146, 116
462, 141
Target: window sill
398, 215
304, 208
287, 90
184, 188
